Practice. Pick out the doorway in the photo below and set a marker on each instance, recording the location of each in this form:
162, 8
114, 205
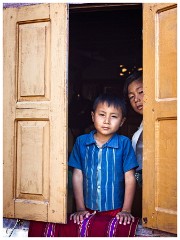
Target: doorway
105, 46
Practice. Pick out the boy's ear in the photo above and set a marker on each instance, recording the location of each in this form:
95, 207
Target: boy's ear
122, 121
92, 115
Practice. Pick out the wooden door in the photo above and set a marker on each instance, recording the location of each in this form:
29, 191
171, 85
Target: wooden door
160, 116
35, 112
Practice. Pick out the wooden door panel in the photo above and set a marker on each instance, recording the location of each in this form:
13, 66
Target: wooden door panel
32, 160
167, 53
33, 60
166, 166
35, 113
32, 175
160, 116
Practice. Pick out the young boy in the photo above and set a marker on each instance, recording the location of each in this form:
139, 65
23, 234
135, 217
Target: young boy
104, 165
103, 179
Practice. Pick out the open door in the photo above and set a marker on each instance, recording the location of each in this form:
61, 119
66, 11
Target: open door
160, 116
35, 113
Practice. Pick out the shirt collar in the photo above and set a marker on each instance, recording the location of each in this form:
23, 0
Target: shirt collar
113, 142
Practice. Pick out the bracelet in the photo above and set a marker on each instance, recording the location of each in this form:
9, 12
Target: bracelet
123, 210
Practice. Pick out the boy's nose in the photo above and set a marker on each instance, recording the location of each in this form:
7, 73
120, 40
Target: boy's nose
106, 120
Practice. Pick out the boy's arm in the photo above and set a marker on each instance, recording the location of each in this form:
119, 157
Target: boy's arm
130, 185
77, 180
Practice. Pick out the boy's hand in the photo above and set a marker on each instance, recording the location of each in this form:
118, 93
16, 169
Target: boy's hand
125, 217
79, 216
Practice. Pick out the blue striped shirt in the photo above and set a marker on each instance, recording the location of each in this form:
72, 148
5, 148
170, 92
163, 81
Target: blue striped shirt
103, 169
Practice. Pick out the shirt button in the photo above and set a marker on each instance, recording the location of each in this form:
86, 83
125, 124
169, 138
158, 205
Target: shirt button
99, 168
99, 187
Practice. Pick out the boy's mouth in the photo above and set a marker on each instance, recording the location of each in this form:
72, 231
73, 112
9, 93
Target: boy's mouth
105, 128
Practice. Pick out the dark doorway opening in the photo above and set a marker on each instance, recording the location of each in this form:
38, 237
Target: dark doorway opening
105, 45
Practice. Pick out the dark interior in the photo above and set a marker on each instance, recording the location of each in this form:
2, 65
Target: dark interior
105, 46
102, 43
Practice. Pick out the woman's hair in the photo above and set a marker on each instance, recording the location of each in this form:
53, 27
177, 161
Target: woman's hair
111, 100
136, 75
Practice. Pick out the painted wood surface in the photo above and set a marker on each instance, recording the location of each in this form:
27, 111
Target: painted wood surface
160, 116
35, 112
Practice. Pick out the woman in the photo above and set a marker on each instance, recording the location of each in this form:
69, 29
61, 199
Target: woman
133, 90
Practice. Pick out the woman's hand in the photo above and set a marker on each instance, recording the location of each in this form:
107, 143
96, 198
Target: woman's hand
78, 216
125, 217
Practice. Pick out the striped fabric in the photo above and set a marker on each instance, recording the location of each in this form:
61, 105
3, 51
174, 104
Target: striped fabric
100, 224
49, 230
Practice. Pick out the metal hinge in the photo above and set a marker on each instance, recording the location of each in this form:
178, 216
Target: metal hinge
145, 220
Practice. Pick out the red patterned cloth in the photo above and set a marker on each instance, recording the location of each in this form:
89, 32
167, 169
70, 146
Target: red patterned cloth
101, 224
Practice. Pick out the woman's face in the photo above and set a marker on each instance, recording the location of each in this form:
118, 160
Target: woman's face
135, 95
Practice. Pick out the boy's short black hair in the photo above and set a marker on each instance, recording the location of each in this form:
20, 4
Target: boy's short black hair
136, 75
111, 100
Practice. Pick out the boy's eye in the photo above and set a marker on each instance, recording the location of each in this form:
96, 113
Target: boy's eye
101, 114
113, 116
141, 92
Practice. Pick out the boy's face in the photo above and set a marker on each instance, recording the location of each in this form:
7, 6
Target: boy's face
107, 119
